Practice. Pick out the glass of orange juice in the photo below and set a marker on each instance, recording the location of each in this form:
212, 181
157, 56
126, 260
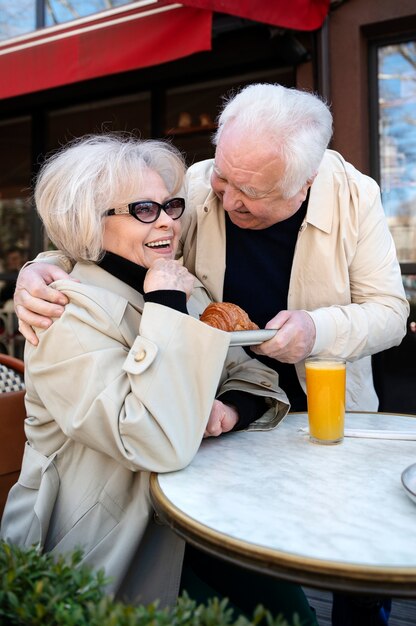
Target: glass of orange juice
325, 390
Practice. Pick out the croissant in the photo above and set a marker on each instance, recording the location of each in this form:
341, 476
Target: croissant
227, 316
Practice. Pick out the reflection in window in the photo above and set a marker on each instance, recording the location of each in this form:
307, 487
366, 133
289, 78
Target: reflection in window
191, 110
128, 113
17, 18
14, 239
59, 11
397, 137
15, 173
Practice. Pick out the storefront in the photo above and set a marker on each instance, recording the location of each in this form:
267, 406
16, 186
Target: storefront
160, 69
154, 68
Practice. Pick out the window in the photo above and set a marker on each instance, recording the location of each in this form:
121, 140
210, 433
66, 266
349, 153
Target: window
128, 113
393, 155
24, 16
60, 11
17, 18
396, 97
192, 110
15, 209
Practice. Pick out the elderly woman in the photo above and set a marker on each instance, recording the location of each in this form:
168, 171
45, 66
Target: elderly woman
126, 382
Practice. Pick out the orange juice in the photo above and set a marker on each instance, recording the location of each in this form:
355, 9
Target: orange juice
325, 386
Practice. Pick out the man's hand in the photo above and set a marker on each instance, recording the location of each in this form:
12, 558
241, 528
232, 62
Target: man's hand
222, 419
294, 340
35, 303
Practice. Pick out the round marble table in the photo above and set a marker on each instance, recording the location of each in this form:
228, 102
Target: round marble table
336, 517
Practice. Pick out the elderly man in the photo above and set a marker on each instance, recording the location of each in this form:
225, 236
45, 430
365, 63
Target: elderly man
296, 236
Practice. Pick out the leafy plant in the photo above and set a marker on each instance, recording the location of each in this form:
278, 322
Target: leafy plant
39, 590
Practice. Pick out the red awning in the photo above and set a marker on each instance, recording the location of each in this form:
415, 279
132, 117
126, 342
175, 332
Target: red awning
142, 34
113, 41
294, 14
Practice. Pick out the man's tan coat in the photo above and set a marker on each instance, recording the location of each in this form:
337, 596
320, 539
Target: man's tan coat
345, 271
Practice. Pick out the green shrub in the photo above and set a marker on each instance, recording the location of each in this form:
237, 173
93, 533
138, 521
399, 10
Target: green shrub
38, 590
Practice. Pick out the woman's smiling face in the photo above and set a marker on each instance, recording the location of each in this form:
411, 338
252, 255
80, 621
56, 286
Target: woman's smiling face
144, 243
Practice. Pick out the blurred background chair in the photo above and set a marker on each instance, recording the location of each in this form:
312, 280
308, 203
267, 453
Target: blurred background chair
12, 415
11, 340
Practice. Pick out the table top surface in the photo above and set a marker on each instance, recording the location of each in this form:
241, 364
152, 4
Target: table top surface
332, 516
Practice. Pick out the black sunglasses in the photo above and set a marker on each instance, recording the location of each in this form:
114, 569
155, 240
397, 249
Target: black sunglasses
148, 211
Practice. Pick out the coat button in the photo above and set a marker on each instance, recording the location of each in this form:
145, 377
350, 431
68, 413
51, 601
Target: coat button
140, 355
206, 209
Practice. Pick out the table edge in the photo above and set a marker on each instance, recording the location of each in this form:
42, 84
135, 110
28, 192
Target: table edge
333, 575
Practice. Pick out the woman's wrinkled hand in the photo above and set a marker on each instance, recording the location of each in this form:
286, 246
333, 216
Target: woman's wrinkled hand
168, 274
35, 303
222, 419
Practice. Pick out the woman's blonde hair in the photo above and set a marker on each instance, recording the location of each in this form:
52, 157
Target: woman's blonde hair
90, 175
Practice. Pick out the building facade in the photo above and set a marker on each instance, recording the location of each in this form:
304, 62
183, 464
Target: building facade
159, 69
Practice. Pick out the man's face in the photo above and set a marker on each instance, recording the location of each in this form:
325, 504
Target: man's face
246, 178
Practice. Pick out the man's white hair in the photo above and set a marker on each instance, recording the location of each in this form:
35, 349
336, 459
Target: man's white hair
296, 124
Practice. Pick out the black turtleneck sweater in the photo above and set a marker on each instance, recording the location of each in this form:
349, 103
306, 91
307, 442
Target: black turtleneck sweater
258, 267
249, 407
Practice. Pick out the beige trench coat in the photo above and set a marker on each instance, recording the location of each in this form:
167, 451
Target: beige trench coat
116, 390
345, 271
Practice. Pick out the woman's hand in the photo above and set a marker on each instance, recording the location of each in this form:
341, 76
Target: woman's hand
222, 419
168, 274
35, 303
